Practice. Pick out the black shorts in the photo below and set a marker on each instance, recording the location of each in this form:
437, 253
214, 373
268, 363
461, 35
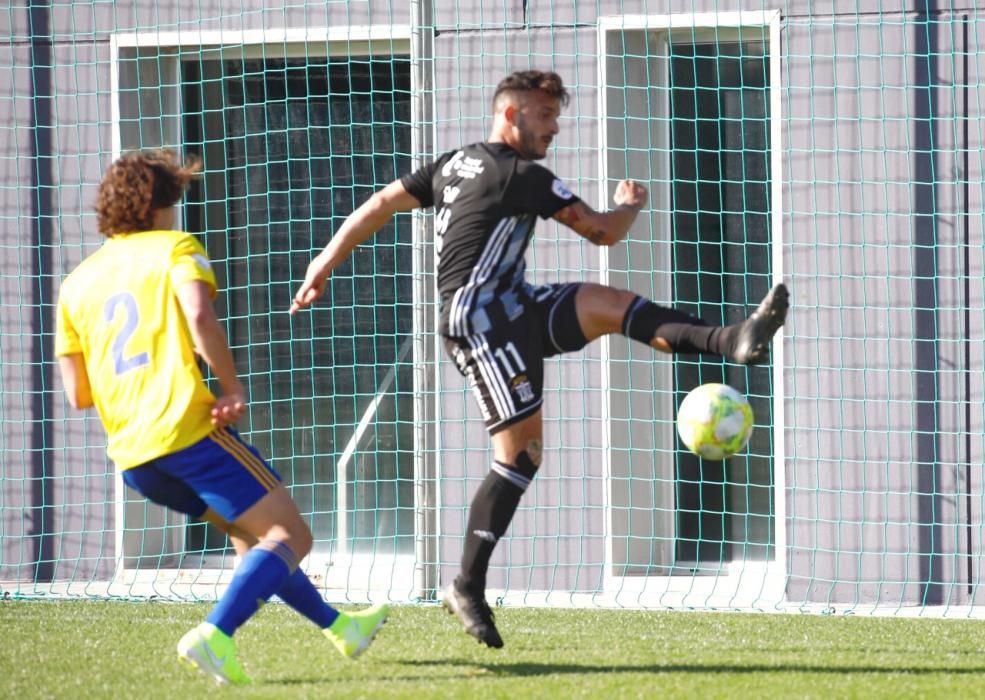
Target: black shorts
505, 366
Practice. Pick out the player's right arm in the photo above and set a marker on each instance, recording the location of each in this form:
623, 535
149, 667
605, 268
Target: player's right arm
71, 359
358, 227
75, 379
609, 227
195, 299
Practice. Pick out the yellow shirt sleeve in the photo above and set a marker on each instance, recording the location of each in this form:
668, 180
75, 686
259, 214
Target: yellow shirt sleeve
67, 341
189, 262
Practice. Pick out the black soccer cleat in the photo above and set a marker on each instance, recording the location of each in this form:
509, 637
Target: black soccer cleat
755, 333
474, 613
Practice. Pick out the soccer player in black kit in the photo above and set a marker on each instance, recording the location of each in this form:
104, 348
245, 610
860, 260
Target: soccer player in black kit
497, 327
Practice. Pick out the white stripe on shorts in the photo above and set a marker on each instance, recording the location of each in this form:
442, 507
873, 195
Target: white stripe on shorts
498, 390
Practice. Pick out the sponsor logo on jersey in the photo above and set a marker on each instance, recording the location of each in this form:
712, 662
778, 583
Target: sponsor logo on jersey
202, 261
561, 190
463, 166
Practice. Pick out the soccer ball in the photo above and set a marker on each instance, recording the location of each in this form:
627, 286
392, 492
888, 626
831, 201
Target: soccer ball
714, 421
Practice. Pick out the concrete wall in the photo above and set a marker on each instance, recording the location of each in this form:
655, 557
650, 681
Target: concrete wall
885, 269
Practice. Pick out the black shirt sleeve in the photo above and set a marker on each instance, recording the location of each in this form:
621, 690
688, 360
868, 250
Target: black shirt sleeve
535, 189
419, 184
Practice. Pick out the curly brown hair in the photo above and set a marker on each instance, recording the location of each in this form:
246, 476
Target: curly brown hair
548, 82
139, 183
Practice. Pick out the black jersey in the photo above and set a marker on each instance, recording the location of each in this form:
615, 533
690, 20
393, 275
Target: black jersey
487, 199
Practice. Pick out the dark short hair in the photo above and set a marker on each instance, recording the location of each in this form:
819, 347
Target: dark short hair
137, 184
547, 82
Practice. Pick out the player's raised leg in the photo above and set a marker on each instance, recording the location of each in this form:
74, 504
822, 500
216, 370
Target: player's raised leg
602, 310
517, 450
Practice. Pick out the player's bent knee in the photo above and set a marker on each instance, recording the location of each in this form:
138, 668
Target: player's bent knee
520, 472
620, 298
297, 536
301, 542
526, 464
534, 452
600, 309
276, 517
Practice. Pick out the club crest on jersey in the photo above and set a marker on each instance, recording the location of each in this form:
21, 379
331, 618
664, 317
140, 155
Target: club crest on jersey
463, 166
522, 388
561, 190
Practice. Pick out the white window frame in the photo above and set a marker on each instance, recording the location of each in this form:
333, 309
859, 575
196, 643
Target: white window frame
742, 583
343, 575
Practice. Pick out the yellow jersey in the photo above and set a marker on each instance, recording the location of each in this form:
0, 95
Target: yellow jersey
119, 309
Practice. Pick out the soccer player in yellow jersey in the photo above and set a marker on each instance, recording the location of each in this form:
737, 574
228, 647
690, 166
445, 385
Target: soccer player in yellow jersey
132, 318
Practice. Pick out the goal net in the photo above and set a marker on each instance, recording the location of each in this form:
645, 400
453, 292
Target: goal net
836, 149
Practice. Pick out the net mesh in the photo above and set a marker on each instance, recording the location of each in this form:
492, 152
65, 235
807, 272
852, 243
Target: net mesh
837, 148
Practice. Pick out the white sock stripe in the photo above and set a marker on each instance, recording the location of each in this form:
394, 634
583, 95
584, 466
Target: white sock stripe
512, 476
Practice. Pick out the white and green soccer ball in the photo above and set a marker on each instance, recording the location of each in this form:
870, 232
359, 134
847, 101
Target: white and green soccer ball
714, 421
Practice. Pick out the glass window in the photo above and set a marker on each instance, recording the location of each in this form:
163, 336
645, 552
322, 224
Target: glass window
290, 148
688, 113
720, 209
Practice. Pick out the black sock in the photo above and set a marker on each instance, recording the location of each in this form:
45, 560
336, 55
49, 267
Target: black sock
698, 338
645, 321
490, 514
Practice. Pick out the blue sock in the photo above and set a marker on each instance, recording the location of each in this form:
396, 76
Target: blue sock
262, 572
300, 594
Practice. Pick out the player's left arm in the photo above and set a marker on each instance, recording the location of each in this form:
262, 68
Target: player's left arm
609, 227
358, 227
75, 379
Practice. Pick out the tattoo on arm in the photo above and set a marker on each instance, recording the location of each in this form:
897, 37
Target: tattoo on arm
578, 217
569, 216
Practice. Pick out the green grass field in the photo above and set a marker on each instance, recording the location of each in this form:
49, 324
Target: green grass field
126, 650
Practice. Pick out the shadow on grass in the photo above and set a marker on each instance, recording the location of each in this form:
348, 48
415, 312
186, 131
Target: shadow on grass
462, 669
535, 669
